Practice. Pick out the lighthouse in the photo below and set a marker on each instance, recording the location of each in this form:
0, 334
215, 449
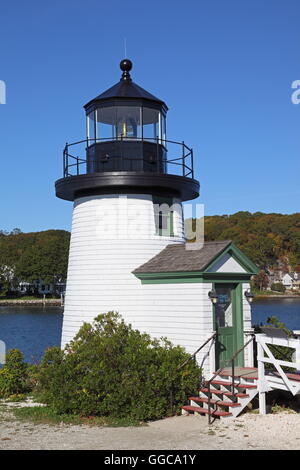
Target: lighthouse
127, 182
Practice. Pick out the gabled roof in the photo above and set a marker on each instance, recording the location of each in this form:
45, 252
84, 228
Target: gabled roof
177, 258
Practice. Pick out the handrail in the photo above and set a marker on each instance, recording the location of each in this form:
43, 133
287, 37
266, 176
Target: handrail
231, 360
142, 139
184, 161
192, 356
186, 362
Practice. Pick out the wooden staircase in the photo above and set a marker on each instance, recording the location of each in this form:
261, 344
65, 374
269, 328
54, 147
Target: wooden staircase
230, 389
220, 398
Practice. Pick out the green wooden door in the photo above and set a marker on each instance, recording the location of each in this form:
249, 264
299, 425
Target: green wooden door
228, 323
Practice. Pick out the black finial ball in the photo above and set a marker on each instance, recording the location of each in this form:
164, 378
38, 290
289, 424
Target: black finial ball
126, 65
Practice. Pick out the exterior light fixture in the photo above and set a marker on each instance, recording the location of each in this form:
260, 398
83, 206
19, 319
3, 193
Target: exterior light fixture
249, 295
213, 296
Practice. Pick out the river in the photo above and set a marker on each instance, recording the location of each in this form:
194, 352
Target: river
31, 329
34, 329
287, 310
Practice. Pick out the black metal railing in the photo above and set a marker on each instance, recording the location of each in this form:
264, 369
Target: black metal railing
231, 362
193, 356
190, 358
181, 163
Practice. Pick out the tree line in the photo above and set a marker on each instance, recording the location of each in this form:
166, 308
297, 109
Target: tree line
269, 240
272, 241
30, 257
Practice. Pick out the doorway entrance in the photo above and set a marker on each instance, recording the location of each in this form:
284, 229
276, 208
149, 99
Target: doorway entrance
228, 321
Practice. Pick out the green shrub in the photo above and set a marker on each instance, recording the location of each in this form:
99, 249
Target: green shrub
278, 287
13, 375
110, 369
273, 321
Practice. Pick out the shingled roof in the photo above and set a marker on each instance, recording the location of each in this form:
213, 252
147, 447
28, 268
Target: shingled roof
177, 258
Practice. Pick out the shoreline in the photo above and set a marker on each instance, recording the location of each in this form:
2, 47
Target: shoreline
277, 296
57, 302
48, 302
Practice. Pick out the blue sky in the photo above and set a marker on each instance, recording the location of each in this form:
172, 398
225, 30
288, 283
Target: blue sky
224, 68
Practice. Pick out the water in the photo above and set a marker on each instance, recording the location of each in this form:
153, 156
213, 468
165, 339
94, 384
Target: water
286, 310
31, 329
34, 329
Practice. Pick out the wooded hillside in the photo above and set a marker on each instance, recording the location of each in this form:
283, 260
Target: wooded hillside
32, 256
270, 240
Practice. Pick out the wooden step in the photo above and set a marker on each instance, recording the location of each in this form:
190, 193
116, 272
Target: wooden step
223, 392
214, 402
243, 375
237, 385
199, 409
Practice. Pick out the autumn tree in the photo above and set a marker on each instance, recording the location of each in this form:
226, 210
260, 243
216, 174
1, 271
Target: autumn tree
261, 280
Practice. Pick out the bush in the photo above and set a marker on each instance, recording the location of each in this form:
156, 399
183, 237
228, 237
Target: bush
13, 375
278, 287
110, 369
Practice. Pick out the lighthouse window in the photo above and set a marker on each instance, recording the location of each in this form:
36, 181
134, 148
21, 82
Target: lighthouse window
151, 124
128, 122
118, 122
91, 130
164, 216
163, 129
105, 122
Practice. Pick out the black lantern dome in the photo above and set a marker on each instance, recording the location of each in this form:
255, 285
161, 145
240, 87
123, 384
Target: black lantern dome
126, 149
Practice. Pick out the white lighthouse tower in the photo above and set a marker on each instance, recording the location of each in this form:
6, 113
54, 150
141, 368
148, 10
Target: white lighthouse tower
127, 185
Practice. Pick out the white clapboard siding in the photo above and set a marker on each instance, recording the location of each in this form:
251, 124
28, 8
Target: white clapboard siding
111, 236
186, 319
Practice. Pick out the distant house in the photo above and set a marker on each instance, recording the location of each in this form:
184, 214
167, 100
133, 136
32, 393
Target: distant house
25, 287
40, 287
287, 281
290, 280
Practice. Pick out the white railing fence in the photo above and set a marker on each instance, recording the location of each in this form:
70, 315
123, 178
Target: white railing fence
278, 379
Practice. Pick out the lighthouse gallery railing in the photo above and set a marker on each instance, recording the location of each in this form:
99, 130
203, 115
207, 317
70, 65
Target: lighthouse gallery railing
180, 164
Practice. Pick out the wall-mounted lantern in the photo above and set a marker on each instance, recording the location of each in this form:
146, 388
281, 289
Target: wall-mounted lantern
249, 295
213, 296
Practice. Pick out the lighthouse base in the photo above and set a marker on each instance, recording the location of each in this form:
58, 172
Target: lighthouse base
111, 236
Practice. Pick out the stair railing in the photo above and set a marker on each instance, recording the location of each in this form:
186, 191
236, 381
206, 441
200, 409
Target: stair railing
192, 356
231, 362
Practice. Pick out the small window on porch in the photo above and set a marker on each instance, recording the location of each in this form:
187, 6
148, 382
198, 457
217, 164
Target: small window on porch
164, 216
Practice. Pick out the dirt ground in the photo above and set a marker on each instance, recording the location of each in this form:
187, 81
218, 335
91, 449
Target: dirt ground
250, 431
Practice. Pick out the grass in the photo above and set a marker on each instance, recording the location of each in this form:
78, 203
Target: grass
17, 397
46, 415
3, 407
280, 409
265, 293
28, 297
